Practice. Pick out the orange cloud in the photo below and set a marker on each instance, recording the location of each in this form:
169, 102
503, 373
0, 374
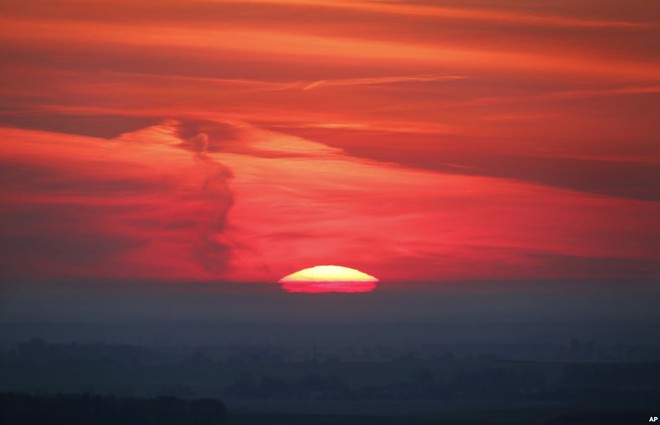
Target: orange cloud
293, 44
398, 8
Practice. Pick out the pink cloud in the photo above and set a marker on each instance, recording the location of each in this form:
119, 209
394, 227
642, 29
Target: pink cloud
134, 207
328, 207
149, 205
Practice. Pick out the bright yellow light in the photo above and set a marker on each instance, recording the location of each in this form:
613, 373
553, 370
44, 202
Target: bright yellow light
328, 274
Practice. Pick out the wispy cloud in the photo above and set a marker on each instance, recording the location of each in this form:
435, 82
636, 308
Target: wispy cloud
362, 50
134, 207
475, 14
381, 80
564, 95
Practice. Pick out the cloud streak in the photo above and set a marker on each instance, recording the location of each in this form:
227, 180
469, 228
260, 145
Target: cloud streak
472, 14
348, 82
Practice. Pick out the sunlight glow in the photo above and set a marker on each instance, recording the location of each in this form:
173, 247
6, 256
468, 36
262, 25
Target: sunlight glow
328, 279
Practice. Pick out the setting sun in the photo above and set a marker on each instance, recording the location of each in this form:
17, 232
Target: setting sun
328, 279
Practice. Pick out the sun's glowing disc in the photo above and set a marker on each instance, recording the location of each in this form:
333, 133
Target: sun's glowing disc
328, 279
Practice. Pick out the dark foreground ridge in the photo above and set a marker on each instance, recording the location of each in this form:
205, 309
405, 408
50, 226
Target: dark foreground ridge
86, 409
23, 409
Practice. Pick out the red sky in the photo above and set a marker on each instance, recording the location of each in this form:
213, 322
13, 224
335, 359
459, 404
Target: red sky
244, 140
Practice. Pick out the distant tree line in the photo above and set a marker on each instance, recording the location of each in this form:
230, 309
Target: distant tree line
490, 383
86, 409
311, 386
39, 351
494, 382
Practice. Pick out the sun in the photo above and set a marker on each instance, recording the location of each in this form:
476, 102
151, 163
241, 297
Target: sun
328, 279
